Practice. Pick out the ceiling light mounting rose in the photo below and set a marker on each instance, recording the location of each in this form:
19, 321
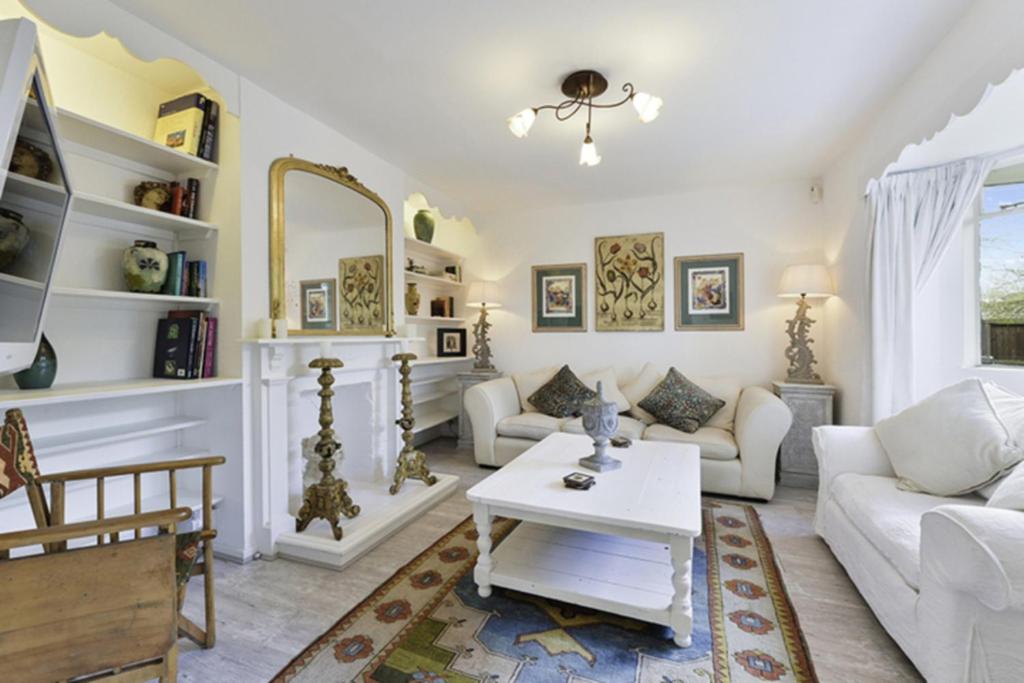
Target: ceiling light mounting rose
581, 87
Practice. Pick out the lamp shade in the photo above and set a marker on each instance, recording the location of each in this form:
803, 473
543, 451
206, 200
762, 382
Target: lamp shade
806, 280
483, 292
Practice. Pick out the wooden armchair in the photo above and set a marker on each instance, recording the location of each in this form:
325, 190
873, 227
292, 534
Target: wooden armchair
187, 544
106, 612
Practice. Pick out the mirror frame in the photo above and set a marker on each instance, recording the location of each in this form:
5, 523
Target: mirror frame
339, 174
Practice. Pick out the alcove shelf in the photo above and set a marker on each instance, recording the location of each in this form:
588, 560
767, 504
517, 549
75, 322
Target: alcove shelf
90, 391
412, 276
135, 298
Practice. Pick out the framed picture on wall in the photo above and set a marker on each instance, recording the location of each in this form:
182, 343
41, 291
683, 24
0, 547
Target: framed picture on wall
559, 295
629, 283
318, 300
451, 342
709, 292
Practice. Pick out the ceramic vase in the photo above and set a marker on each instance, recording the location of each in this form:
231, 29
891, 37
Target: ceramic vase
42, 372
13, 237
412, 299
600, 422
423, 225
144, 267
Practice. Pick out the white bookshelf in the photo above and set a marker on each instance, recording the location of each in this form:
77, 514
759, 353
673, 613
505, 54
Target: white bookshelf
105, 408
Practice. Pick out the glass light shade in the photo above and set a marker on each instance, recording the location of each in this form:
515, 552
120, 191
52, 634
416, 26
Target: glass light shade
806, 280
588, 153
647, 106
483, 292
521, 123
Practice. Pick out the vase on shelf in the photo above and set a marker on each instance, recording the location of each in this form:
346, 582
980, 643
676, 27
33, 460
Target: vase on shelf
412, 299
43, 371
13, 236
144, 267
423, 225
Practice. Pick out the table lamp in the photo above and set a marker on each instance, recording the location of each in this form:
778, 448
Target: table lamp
803, 282
482, 294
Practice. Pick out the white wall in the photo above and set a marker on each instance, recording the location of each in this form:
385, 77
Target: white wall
984, 48
773, 224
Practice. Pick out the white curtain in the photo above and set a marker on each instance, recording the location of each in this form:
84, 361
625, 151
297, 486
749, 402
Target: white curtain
913, 219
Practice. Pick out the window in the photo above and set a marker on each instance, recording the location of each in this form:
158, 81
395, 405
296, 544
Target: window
1001, 267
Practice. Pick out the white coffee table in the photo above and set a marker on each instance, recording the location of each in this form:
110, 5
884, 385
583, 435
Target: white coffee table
625, 546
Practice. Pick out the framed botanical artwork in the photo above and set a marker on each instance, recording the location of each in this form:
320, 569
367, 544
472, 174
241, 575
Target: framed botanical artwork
559, 295
361, 301
318, 302
629, 283
451, 341
709, 292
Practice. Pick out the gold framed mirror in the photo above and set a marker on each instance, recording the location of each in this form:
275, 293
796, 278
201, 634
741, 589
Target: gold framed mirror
331, 261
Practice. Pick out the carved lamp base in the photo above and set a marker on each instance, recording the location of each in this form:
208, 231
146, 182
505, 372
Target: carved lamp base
798, 353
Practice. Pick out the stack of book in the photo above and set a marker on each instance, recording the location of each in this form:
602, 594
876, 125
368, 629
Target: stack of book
186, 346
442, 307
185, 278
189, 124
185, 199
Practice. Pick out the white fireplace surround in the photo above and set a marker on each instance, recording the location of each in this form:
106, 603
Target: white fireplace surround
285, 410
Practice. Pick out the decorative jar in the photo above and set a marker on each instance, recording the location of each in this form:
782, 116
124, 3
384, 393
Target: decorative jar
13, 236
145, 267
600, 422
423, 225
412, 299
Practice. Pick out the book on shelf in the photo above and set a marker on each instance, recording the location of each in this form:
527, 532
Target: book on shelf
442, 307
189, 124
186, 346
179, 123
190, 205
175, 266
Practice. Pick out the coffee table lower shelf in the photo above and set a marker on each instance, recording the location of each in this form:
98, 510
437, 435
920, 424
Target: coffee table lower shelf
615, 574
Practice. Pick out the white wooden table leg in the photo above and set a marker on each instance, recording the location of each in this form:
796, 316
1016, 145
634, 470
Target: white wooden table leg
484, 563
681, 611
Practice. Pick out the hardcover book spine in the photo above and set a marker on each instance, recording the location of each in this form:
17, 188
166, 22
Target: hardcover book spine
200, 350
185, 279
193, 338
175, 264
193, 197
202, 278
207, 144
211, 346
177, 197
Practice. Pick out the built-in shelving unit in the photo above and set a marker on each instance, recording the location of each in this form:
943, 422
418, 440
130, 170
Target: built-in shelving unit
105, 408
435, 386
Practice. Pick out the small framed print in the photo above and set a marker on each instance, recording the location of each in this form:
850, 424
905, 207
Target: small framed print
559, 295
451, 342
709, 292
318, 299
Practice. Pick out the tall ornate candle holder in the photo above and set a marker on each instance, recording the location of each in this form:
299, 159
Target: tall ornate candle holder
412, 464
327, 499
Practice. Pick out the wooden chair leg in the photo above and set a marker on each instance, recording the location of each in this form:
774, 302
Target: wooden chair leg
170, 674
210, 610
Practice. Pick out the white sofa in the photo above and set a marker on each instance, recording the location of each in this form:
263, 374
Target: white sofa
944, 576
739, 446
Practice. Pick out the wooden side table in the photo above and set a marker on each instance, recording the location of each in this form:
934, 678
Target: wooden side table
812, 407
466, 380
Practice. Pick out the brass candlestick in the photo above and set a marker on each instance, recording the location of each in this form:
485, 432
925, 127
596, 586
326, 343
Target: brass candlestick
412, 464
328, 498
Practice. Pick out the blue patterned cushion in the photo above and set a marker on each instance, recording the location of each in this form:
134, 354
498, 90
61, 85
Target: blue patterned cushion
679, 403
563, 395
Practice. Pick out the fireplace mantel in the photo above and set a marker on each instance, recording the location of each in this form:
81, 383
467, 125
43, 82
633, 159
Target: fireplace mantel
366, 406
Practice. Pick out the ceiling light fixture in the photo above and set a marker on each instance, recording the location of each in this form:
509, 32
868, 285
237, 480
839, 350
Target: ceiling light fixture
581, 87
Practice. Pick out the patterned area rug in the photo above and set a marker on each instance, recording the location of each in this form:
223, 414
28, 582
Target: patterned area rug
428, 625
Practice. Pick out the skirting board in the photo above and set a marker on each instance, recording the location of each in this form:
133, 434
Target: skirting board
382, 515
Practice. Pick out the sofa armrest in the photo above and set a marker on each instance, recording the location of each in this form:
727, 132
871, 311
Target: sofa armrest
975, 550
762, 421
842, 450
487, 404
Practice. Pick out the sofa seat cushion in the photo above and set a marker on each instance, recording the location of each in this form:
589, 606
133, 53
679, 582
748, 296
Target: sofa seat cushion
715, 443
629, 427
530, 425
890, 518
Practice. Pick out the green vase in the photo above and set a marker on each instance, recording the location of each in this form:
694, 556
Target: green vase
42, 372
423, 225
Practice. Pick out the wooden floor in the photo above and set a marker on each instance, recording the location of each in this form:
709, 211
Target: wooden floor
268, 611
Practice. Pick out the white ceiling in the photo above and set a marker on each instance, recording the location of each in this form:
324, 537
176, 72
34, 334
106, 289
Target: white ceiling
768, 90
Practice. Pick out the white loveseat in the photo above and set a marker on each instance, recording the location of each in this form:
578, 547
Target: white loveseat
739, 445
944, 576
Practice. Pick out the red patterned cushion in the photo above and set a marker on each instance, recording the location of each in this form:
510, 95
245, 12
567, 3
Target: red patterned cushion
17, 457
10, 445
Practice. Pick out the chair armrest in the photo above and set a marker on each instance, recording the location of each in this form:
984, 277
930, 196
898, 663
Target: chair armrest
123, 470
762, 421
975, 550
487, 404
66, 532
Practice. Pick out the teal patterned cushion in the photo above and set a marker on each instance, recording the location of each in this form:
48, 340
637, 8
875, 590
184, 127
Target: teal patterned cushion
679, 403
563, 395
